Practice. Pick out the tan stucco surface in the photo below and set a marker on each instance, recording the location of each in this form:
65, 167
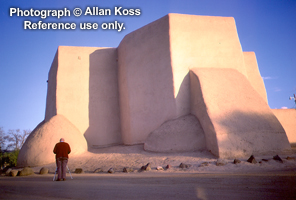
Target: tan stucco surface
204, 42
83, 87
51, 98
179, 135
287, 117
236, 120
254, 75
154, 73
146, 84
38, 148
173, 67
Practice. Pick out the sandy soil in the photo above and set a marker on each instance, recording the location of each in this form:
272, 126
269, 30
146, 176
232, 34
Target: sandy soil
118, 157
265, 180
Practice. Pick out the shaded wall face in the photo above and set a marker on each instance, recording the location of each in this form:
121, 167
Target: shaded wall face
287, 117
104, 117
51, 109
145, 81
242, 121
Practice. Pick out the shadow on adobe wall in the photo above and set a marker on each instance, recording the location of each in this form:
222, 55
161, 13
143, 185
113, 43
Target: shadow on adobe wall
104, 118
103, 104
233, 129
251, 133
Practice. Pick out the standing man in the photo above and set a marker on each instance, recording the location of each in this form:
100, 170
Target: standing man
62, 149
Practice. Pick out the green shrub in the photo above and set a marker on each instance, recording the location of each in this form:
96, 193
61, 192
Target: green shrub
9, 158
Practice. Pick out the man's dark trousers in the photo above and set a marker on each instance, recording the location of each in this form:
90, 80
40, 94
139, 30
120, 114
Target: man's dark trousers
62, 167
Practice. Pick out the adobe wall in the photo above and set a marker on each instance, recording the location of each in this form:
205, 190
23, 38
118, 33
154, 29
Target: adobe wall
236, 120
82, 86
51, 107
104, 113
205, 42
287, 117
154, 64
254, 74
146, 84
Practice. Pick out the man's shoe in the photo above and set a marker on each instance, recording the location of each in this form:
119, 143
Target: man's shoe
59, 179
64, 179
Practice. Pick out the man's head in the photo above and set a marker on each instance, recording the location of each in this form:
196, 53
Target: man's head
62, 140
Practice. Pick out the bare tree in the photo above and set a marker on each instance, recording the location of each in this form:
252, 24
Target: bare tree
16, 138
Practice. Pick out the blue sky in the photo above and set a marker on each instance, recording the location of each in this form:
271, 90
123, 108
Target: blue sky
266, 27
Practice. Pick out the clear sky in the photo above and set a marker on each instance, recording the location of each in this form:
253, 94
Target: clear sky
267, 27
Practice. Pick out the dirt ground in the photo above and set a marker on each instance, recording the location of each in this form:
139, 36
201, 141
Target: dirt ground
266, 179
118, 157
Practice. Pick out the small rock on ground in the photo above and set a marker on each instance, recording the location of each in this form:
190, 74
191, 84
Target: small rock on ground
204, 164
78, 171
111, 171
236, 161
221, 162
184, 166
290, 158
277, 158
44, 170
127, 169
252, 160
98, 170
13, 173
26, 172
168, 167
146, 167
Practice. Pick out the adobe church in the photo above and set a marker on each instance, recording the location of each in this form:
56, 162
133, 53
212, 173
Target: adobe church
181, 83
